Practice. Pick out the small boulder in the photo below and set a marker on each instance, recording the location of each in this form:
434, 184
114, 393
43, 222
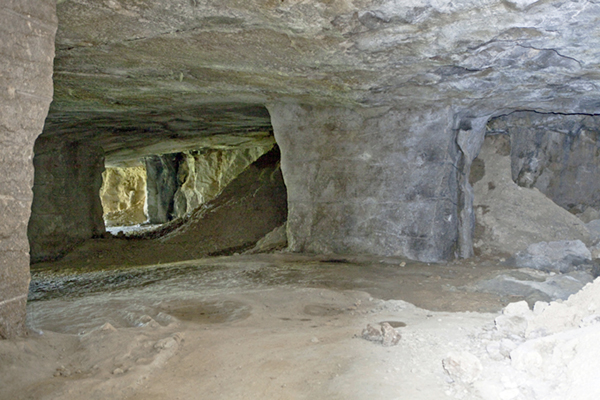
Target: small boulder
561, 256
462, 366
387, 336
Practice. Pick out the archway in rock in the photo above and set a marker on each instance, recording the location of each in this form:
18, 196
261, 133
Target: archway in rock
197, 161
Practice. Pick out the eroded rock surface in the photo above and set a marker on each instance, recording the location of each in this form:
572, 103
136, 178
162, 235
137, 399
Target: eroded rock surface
27, 30
380, 182
123, 195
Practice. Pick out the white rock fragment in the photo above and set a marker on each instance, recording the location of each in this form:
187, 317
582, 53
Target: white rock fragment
462, 366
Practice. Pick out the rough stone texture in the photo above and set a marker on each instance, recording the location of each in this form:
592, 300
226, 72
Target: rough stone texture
560, 256
123, 196
202, 174
462, 366
255, 200
590, 214
178, 183
535, 285
557, 154
161, 186
151, 75
594, 229
135, 58
509, 217
27, 30
272, 241
357, 182
66, 207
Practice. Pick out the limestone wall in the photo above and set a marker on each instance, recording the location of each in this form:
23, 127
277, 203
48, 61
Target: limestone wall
27, 29
179, 183
123, 195
204, 173
376, 181
161, 185
66, 207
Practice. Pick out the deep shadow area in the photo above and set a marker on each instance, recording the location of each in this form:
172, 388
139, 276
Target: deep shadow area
251, 206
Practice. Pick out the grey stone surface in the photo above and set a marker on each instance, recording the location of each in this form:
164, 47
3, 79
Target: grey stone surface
589, 214
535, 285
206, 68
509, 217
357, 182
393, 80
66, 208
481, 57
27, 30
560, 256
272, 241
161, 186
594, 228
557, 154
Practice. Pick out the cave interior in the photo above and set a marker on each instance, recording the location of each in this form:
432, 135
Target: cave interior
419, 133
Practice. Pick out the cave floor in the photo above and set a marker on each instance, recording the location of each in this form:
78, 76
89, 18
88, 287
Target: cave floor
270, 326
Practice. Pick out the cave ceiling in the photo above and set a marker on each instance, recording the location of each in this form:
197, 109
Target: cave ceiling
129, 72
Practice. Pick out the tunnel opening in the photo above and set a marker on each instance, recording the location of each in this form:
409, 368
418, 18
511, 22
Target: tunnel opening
159, 188
147, 183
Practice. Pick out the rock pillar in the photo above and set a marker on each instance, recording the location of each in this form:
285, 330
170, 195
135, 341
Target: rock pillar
66, 207
161, 185
27, 29
369, 181
470, 136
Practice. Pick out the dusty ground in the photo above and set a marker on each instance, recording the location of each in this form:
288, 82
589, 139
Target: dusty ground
285, 326
266, 326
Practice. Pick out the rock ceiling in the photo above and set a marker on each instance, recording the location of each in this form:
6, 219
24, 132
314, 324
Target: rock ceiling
171, 68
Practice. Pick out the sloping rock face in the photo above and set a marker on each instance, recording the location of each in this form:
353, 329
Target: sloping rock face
250, 207
179, 183
27, 31
510, 217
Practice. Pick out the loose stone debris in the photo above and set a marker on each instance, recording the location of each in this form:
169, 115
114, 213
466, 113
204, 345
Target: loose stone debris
387, 336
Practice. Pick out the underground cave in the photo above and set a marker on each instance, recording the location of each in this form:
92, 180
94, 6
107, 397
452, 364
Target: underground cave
223, 200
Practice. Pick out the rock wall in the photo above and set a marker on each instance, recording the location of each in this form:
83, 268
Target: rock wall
369, 181
204, 173
123, 195
510, 217
161, 186
179, 183
556, 153
66, 207
27, 29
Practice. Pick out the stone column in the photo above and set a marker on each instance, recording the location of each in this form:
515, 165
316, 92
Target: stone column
375, 181
27, 29
161, 185
66, 207
470, 136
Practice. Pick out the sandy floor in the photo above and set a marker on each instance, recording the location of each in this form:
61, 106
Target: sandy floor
274, 327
